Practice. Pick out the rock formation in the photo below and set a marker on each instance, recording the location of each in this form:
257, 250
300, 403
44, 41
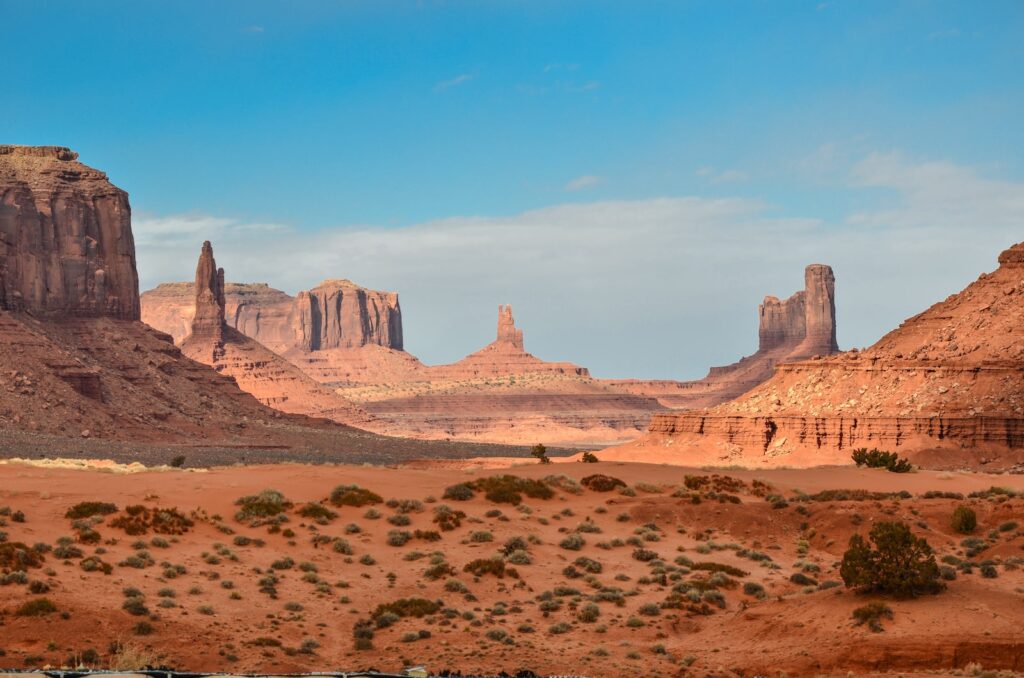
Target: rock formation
507, 331
948, 383
334, 314
270, 378
800, 327
66, 244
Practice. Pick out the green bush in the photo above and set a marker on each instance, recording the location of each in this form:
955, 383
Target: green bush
508, 489
407, 607
88, 509
964, 519
540, 453
589, 458
900, 564
266, 504
875, 458
459, 492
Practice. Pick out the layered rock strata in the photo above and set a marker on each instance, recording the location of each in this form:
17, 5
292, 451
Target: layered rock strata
948, 383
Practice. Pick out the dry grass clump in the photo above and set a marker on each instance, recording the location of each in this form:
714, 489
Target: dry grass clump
353, 495
139, 519
872, 614
318, 513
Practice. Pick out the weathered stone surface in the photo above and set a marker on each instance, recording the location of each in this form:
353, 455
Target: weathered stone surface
819, 314
66, 244
340, 314
208, 321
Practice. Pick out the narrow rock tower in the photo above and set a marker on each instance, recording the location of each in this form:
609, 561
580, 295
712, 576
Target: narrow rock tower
208, 323
819, 313
507, 332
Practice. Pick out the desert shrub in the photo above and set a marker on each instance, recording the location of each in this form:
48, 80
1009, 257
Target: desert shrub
564, 483
439, 571
398, 537
480, 536
459, 492
719, 567
519, 557
427, 535
649, 610
135, 605
588, 565
139, 519
964, 520
36, 608
447, 518
508, 489
407, 607
573, 542
801, 579
753, 589
14, 555
900, 564
353, 495
95, 564
644, 555
318, 513
483, 566
875, 458
988, 571
601, 483
540, 453
88, 509
399, 520
589, 613
589, 458
872, 615
262, 508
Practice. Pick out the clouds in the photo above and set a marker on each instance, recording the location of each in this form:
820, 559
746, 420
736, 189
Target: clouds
582, 182
720, 177
459, 79
660, 287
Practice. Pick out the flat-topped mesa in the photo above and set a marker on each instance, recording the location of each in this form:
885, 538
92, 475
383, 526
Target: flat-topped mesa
208, 323
819, 314
507, 331
340, 314
66, 246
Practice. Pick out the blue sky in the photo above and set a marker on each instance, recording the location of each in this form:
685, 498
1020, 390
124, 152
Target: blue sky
467, 154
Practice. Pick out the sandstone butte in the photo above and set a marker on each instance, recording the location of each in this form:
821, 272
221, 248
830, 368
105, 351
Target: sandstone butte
945, 387
801, 327
259, 371
76, 361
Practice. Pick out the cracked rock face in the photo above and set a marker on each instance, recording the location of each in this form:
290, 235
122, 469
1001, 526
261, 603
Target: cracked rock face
66, 246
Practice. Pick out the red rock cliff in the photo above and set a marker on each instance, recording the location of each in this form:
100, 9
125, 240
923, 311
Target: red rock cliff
208, 322
340, 314
66, 244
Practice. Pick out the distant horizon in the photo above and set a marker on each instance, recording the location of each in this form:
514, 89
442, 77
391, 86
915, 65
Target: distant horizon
632, 179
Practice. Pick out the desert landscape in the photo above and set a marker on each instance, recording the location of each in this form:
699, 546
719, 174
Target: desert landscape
226, 448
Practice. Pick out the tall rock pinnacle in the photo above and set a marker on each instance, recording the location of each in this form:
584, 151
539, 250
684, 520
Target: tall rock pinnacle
819, 313
507, 332
208, 323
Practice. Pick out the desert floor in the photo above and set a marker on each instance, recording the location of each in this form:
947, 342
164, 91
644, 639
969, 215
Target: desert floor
611, 583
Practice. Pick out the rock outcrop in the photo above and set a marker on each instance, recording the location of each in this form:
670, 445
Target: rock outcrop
334, 314
948, 383
800, 327
270, 378
66, 246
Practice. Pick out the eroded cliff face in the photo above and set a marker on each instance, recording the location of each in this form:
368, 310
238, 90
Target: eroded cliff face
949, 380
334, 314
66, 246
340, 314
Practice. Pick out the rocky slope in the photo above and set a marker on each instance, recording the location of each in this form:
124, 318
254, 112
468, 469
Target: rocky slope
74, 359
947, 386
802, 326
259, 371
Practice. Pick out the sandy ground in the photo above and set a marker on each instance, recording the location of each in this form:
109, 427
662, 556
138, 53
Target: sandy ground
219, 619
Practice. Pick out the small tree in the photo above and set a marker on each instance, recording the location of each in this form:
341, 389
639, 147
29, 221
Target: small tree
541, 453
589, 458
964, 520
900, 564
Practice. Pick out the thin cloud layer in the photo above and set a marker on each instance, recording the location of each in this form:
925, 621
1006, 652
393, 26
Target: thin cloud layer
662, 287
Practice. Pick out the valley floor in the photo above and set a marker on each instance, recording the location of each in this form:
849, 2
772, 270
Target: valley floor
671, 575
